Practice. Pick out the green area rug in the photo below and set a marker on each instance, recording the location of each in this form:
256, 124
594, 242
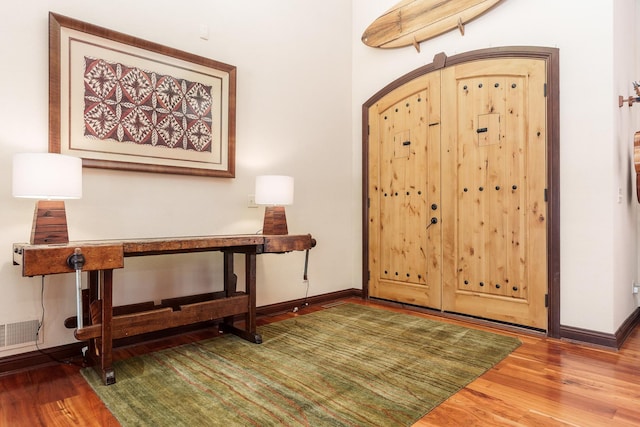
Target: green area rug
349, 365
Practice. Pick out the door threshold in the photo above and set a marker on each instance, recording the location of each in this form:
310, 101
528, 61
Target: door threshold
464, 318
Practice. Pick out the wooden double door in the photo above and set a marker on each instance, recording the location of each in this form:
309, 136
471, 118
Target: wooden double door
456, 184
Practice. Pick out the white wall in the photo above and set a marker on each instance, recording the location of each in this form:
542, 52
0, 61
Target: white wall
598, 235
303, 75
626, 121
293, 64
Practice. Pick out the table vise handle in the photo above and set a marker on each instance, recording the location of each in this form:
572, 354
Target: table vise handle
76, 261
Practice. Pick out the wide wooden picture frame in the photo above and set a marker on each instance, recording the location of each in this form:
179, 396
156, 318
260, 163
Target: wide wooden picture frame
120, 102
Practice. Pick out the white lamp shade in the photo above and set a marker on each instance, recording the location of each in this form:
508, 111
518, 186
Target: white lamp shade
47, 176
274, 190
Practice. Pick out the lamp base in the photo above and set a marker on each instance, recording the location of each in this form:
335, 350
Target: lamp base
49, 223
275, 221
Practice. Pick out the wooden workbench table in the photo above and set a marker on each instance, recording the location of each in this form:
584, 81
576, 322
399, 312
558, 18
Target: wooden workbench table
106, 323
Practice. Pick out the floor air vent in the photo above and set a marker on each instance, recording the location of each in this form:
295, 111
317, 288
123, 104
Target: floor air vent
19, 334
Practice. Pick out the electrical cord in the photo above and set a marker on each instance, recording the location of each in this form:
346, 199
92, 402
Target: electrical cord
42, 310
305, 303
305, 280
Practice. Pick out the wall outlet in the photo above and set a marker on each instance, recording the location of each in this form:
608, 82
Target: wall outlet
251, 201
204, 31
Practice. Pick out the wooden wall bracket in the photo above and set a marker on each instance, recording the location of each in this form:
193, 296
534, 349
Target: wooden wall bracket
630, 100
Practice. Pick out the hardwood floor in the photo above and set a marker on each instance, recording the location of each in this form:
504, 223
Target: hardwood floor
544, 382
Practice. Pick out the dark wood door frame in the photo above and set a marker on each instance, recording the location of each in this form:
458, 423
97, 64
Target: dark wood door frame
552, 58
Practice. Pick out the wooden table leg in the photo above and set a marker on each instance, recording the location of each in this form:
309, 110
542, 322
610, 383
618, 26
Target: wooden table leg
106, 343
249, 331
230, 281
93, 296
250, 285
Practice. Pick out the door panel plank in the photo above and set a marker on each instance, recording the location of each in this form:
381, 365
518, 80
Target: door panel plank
404, 256
497, 219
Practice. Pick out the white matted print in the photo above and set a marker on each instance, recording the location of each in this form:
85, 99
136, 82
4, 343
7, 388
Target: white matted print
124, 103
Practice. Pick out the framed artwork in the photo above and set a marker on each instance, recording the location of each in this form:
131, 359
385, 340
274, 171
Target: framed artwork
120, 102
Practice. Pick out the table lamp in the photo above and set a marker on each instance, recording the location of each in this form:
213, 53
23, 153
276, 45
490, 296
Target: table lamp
52, 178
274, 191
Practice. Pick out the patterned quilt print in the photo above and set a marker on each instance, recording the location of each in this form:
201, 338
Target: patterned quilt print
130, 105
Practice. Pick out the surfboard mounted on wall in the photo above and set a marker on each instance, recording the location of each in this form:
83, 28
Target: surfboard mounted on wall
412, 21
